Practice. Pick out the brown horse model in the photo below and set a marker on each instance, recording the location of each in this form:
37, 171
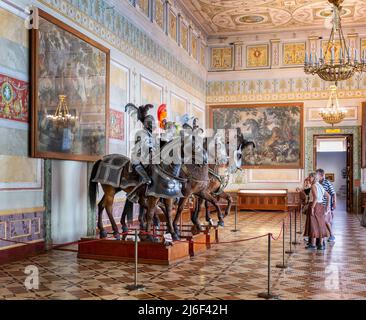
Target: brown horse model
197, 177
148, 203
218, 183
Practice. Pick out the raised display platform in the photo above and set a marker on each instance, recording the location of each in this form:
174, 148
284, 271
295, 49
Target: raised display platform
148, 252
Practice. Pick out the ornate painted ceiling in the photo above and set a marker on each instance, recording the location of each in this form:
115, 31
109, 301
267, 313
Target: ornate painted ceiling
247, 16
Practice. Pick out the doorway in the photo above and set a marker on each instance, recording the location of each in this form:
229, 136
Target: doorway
334, 154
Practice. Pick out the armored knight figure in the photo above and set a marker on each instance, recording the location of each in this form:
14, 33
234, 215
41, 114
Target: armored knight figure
142, 150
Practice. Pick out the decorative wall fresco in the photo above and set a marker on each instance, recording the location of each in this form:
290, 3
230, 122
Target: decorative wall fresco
276, 129
362, 45
203, 55
116, 125
258, 56
14, 99
178, 107
119, 32
294, 54
119, 97
184, 35
222, 58
328, 53
313, 114
119, 86
144, 6
173, 25
14, 45
285, 89
18, 172
194, 46
200, 114
151, 92
159, 13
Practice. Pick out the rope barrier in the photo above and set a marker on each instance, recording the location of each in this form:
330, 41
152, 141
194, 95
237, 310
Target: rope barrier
282, 230
61, 246
266, 295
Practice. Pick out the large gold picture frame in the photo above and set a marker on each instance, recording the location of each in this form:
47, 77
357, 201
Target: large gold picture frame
277, 129
66, 62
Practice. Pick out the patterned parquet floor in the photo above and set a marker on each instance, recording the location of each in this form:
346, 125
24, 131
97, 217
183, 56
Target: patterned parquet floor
227, 271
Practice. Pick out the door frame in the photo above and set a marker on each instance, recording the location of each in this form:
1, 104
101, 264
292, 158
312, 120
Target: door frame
349, 162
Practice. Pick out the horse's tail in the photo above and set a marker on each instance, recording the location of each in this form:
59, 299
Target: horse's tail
93, 186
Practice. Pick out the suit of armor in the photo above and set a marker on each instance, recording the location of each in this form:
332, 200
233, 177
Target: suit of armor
141, 153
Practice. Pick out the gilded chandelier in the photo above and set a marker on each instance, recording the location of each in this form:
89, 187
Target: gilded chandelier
333, 114
62, 117
335, 68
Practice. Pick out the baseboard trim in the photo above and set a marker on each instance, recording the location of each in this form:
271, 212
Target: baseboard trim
21, 252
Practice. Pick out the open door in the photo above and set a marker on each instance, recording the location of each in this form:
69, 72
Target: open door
348, 163
349, 174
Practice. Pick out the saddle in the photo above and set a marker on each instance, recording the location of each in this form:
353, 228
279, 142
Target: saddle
110, 172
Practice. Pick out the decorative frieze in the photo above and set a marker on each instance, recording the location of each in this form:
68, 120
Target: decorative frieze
126, 37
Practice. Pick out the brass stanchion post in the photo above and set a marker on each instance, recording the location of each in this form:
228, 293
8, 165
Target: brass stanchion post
283, 265
268, 295
236, 217
136, 286
300, 232
290, 251
295, 242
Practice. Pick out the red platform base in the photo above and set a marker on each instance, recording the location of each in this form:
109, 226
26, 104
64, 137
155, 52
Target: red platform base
201, 242
149, 253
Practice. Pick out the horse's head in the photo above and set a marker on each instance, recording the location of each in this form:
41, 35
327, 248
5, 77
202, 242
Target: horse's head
220, 147
242, 144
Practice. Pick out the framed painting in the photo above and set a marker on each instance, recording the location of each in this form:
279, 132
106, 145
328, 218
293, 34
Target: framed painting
330, 177
70, 93
276, 129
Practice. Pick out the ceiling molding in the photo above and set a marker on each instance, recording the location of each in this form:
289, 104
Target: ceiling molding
238, 17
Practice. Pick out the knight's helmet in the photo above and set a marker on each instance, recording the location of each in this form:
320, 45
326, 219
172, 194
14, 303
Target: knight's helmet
141, 113
149, 123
